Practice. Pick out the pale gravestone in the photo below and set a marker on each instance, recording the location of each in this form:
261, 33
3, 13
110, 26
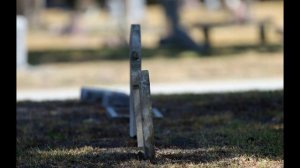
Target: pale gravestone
21, 42
117, 11
124, 13
132, 10
136, 11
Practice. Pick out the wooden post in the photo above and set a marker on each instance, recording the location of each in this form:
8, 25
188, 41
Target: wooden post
207, 42
137, 107
146, 108
262, 33
135, 121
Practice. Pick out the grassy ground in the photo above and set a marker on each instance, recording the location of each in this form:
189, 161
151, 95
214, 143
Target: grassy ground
211, 130
250, 64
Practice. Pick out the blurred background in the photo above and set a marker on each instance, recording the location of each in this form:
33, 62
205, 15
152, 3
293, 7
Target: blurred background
63, 45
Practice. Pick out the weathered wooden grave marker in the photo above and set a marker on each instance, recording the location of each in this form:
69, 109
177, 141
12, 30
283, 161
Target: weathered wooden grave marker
135, 67
141, 112
140, 98
146, 109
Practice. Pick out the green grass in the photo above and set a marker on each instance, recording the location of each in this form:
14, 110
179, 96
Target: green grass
208, 130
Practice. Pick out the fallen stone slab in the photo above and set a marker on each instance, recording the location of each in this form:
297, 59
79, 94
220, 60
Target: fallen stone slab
115, 103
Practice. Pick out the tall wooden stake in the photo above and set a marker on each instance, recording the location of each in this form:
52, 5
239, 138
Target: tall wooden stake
135, 67
147, 121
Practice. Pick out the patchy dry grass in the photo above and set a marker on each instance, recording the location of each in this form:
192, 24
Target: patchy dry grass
209, 130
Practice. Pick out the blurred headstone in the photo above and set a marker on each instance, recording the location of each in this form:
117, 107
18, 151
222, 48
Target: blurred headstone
212, 4
81, 9
21, 42
32, 10
192, 4
136, 11
117, 12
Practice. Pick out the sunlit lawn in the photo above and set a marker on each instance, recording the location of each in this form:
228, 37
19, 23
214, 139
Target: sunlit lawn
211, 130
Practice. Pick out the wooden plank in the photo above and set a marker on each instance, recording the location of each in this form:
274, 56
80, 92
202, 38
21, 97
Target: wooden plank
206, 27
137, 107
135, 66
146, 105
225, 23
262, 33
207, 42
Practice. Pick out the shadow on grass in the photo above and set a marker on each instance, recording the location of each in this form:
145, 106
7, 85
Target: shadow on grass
202, 128
94, 157
85, 156
59, 56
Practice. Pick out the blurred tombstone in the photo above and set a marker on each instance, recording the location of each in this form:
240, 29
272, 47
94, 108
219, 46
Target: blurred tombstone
73, 26
81, 8
122, 14
21, 42
117, 12
212, 4
178, 38
89, 8
136, 11
191, 4
31, 9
